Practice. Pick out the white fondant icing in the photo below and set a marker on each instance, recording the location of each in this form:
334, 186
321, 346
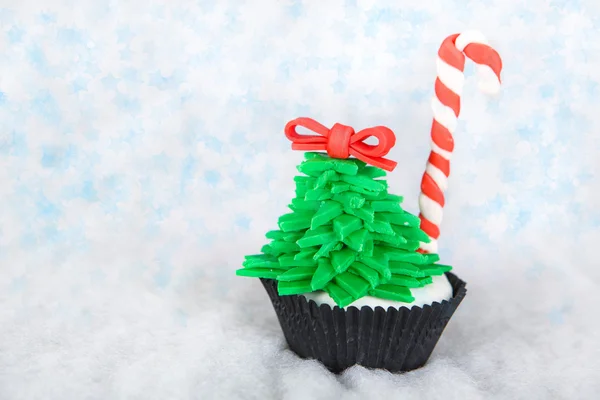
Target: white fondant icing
437, 175
444, 114
451, 77
431, 247
468, 37
439, 290
434, 211
437, 149
488, 81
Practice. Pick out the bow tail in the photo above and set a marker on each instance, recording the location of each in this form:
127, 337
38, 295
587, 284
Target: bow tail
309, 146
379, 162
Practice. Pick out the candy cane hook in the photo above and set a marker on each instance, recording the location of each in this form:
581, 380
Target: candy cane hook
446, 108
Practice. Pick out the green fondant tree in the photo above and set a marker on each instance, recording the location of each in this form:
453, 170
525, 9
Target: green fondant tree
346, 235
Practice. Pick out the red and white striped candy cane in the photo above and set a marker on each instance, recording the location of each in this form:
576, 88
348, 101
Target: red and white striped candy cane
446, 108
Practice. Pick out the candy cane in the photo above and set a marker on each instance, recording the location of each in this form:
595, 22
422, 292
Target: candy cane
446, 108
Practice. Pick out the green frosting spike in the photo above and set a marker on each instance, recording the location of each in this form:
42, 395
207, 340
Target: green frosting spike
353, 284
317, 162
368, 248
301, 191
373, 172
317, 237
328, 211
393, 292
318, 194
386, 206
326, 249
339, 295
346, 167
309, 155
404, 268
445, 268
261, 261
410, 245
345, 225
393, 240
275, 235
325, 178
403, 280
356, 240
369, 194
435, 269
349, 199
254, 272
342, 259
398, 244
294, 287
295, 221
304, 181
268, 250
379, 263
403, 219
367, 273
395, 254
281, 247
315, 166
432, 271
361, 164
411, 233
323, 274
346, 235
426, 280
299, 204
379, 226
292, 236
303, 254
393, 197
298, 274
365, 213
431, 258
289, 261
338, 187
364, 182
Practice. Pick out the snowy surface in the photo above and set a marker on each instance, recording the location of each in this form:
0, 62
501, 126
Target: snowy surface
142, 155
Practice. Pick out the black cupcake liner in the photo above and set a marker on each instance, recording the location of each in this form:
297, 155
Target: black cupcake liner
397, 340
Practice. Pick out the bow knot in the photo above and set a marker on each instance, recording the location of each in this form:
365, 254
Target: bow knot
338, 141
342, 142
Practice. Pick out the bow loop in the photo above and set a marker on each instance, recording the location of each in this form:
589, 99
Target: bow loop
385, 141
342, 142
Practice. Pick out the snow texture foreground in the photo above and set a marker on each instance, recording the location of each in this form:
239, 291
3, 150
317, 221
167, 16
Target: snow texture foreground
142, 156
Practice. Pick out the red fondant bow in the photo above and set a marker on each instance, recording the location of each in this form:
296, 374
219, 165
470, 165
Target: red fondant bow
342, 142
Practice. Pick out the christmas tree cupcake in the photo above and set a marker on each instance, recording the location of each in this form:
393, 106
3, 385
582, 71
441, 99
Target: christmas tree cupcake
353, 277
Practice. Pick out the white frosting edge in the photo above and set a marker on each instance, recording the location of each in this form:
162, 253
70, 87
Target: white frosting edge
437, 291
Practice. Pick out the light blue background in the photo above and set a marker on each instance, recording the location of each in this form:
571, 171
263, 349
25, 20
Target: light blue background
142, 155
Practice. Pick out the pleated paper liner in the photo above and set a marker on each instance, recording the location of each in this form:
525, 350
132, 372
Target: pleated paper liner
397, 340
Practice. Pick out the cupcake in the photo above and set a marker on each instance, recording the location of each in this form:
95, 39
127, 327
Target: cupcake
353, 277
344, 274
